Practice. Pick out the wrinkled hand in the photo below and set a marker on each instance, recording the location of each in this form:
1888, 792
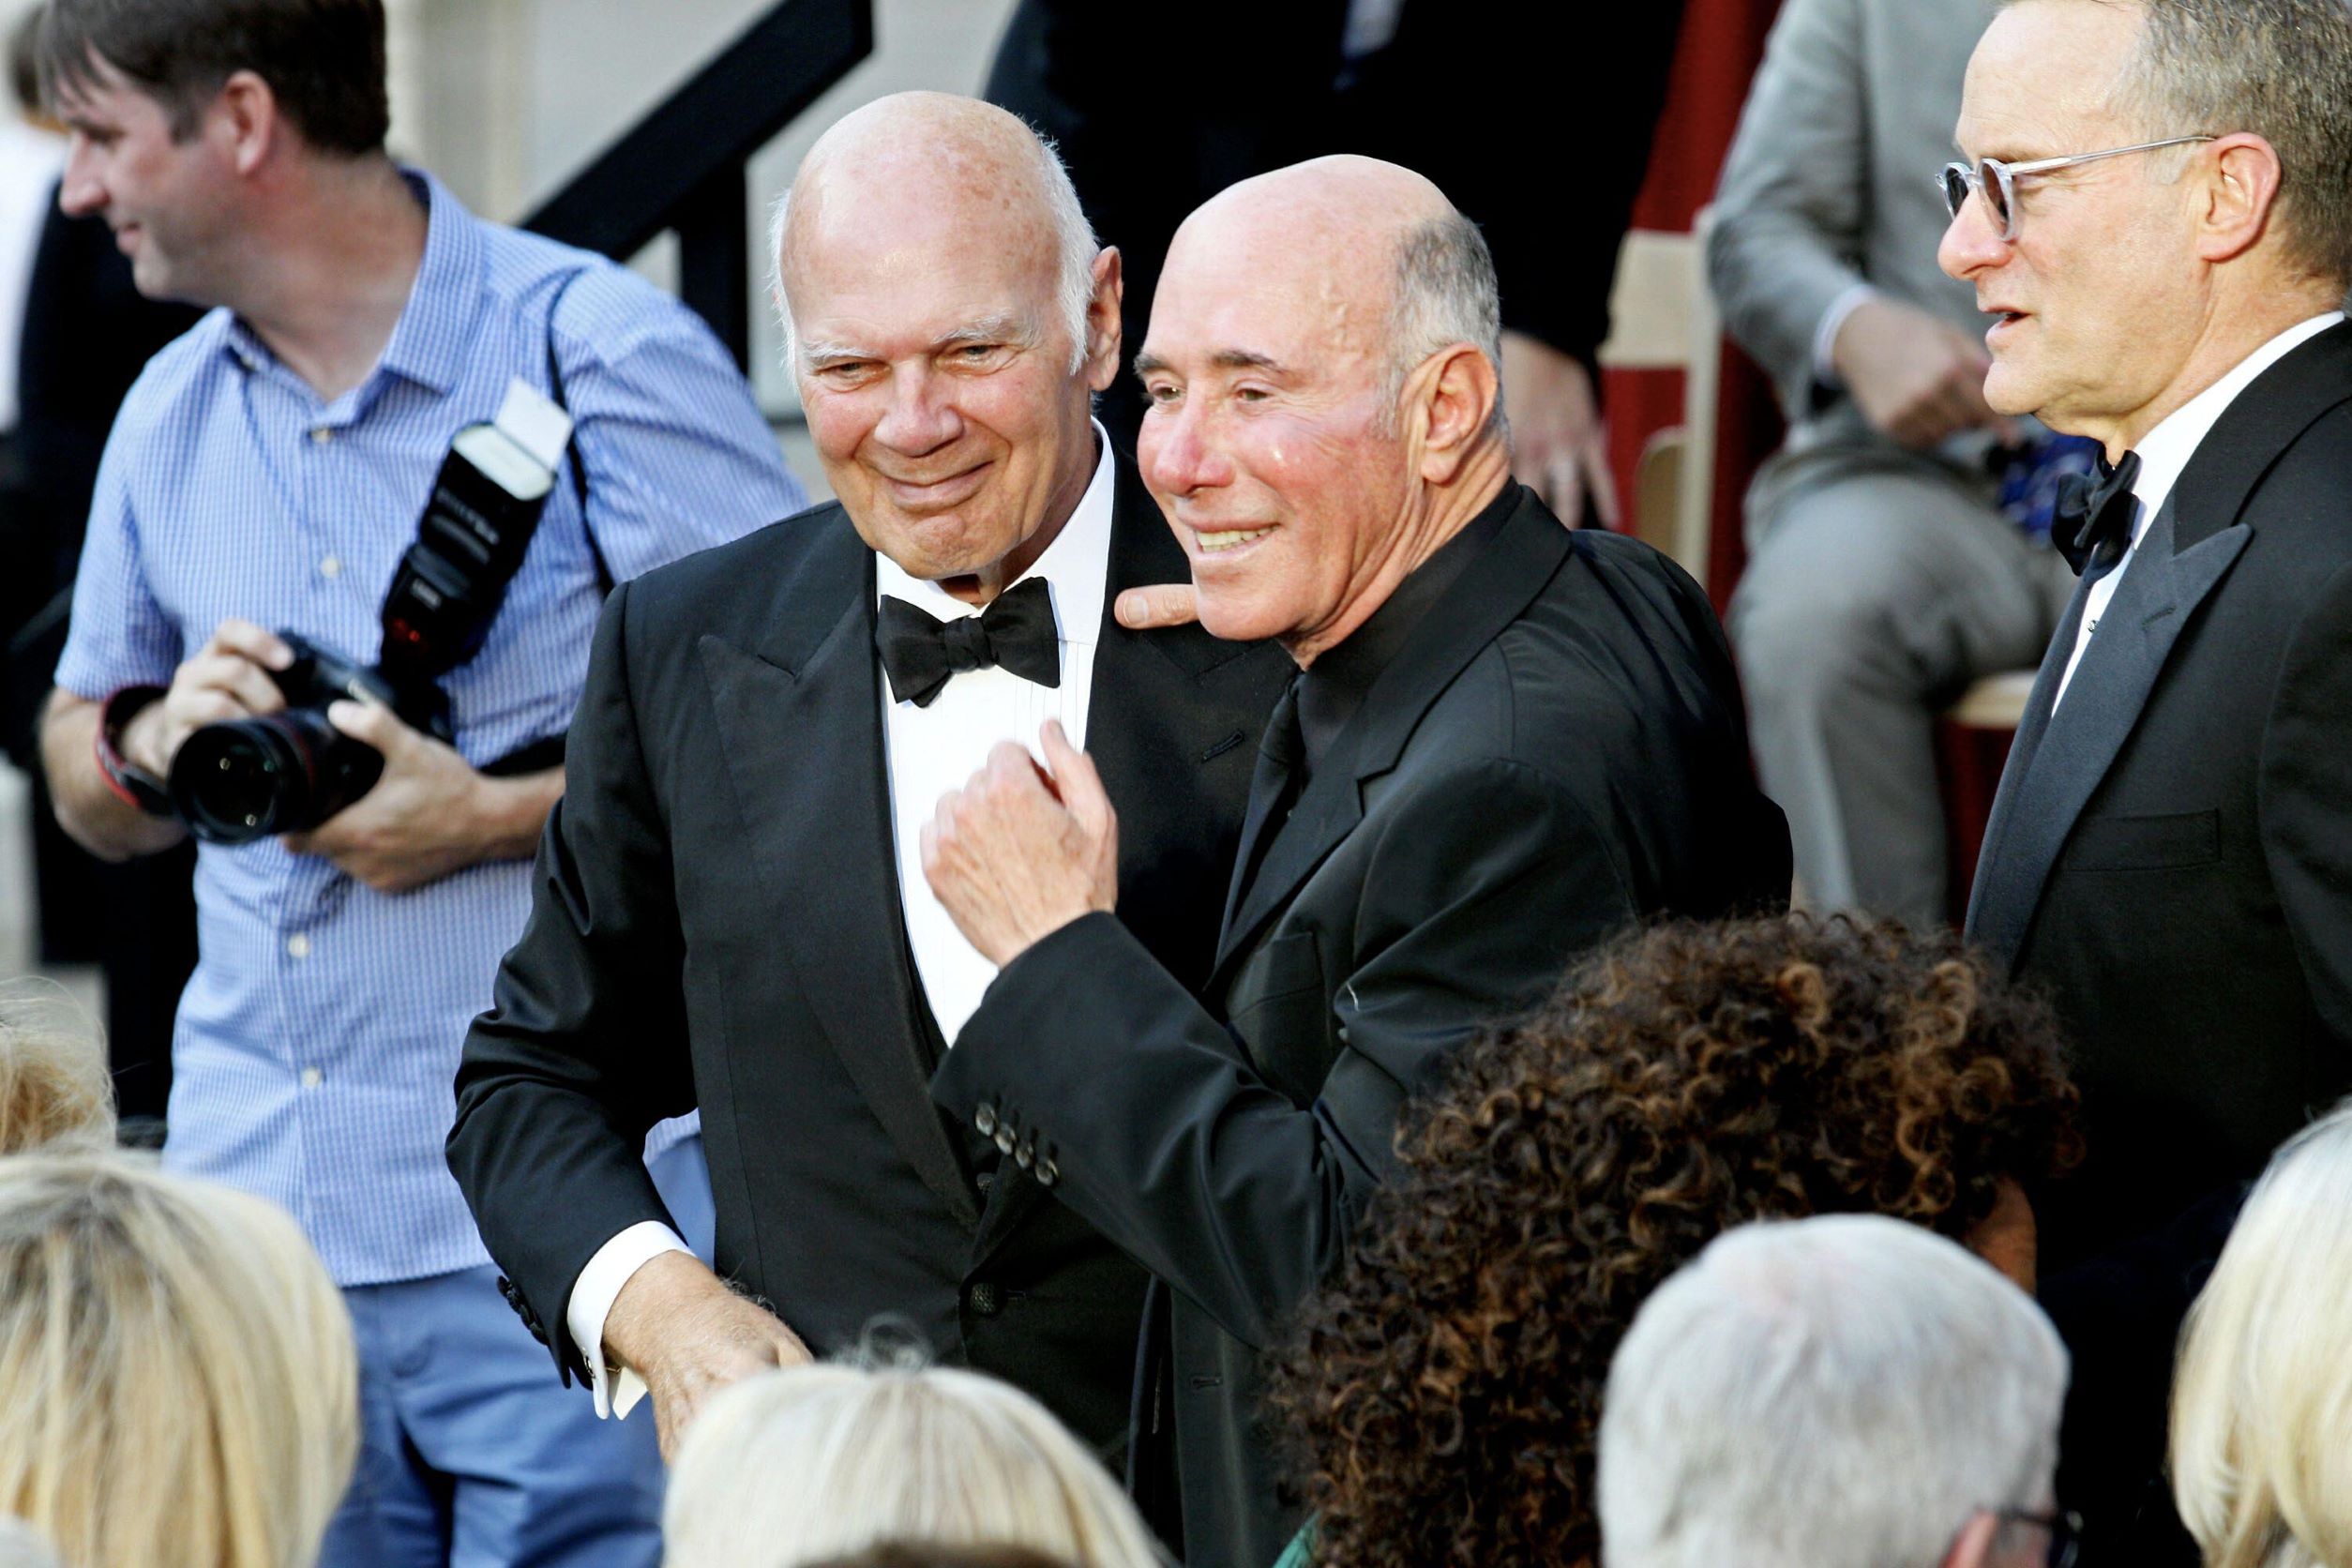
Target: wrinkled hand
1017, 853
1560, 445
683, 1331
423, 818
1919, 381
226, 678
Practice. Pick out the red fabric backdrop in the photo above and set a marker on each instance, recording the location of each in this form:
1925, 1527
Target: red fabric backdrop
1722, 40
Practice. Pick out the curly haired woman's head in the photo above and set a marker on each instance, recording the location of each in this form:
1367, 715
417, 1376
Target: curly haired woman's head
1445, 1387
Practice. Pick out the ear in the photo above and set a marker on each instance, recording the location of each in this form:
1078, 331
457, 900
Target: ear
1451, 398
1102, 319
245, 114
2240, 178
1973, 1545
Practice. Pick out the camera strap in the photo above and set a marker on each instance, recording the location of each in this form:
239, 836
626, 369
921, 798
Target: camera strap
571, 443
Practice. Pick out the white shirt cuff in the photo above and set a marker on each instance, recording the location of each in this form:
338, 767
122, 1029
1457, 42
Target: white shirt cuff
593, 1295
1825, 335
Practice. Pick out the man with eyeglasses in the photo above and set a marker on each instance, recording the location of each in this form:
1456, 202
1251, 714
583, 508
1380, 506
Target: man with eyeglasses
2154, 204
1900, 536
1846, 1390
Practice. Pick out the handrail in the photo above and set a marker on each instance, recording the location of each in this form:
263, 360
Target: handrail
681, 166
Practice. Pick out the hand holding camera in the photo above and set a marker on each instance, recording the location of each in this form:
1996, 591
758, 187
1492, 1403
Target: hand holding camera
231, 677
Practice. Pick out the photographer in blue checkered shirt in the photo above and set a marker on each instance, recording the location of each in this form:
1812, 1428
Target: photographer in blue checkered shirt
262, 490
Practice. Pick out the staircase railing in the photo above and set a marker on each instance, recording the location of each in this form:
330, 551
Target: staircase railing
681, 166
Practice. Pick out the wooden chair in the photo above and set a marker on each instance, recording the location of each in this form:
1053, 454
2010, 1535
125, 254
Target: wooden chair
1662, 318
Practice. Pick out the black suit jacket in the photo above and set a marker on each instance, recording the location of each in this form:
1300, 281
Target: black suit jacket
1536, 74
717, 924
2170, 857
1555, 752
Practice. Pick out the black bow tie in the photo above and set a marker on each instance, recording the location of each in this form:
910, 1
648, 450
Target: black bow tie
1016, 632
2091, 521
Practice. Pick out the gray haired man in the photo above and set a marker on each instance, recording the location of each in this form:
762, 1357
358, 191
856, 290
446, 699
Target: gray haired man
1844, 1391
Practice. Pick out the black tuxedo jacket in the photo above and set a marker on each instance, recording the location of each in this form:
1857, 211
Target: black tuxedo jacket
1556, 752
2170, 852
2170, 857
717, 925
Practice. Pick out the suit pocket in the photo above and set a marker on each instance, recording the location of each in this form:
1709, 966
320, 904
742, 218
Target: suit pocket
2145, 843
1279, 1011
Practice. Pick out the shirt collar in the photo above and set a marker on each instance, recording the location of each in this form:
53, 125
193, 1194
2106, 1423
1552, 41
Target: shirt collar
2165, 451
432, 340
1074, 567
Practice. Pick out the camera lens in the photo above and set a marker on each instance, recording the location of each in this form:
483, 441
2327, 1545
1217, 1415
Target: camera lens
235, 782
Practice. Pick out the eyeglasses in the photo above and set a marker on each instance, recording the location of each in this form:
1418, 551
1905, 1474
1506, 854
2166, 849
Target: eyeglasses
1995, 181
2065, 1530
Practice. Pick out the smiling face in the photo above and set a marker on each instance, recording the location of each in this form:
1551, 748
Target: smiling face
2095, 305
933, 360
1268, 434
167, 199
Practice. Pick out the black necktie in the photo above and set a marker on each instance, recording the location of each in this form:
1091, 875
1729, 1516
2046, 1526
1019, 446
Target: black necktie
1016, 632
1276, 786
2091, 522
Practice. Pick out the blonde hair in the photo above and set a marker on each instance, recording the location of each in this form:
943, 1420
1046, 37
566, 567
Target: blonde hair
794, 1466
2262, 1399
54, 1091
176, 1368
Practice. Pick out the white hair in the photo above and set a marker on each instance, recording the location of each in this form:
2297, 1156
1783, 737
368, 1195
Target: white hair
2261, 1468
1077, 248
1443, 293
795, 1467
1841, 1392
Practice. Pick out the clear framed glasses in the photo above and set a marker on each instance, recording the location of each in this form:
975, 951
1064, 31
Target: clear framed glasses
1995, 181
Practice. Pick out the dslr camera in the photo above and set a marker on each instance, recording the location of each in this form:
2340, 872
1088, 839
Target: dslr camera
288, 772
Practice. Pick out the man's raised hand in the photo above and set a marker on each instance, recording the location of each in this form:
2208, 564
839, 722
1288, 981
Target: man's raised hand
1020, 852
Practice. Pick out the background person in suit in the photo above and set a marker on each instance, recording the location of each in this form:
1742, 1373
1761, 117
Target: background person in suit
1508, 741
730, 914
1332, 76
2170, 852
1884, 578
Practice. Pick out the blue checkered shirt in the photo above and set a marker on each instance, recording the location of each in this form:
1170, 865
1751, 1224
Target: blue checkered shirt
318, 1041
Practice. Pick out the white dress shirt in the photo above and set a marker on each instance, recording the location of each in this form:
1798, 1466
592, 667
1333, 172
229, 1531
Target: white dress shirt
926, 752
2165, 453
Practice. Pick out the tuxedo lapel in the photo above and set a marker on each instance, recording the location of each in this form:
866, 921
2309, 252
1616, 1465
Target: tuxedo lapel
801, 722
1490, 594
2060, 757
2037, 807
1996, 854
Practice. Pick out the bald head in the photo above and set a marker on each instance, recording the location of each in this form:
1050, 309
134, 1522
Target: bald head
1397, 273
934, 172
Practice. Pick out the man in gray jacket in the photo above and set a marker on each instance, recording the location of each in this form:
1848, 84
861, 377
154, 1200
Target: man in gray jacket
1885, 576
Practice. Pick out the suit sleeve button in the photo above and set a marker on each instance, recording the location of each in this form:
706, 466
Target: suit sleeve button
1003, 1141
1026, 1156
985, 1299
1047, 1172
983, 1120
